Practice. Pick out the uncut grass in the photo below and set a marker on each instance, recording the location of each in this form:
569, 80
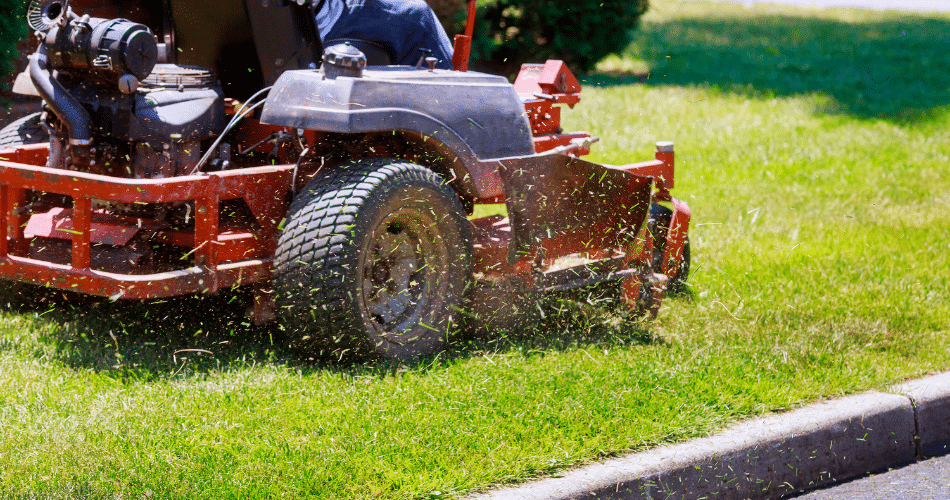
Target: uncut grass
820, 243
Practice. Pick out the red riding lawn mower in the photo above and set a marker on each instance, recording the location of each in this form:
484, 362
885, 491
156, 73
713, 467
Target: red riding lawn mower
339, 187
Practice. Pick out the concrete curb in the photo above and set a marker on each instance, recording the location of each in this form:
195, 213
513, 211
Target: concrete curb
774, 456
931, 399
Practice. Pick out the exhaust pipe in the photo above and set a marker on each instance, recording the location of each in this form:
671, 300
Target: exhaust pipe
65, 106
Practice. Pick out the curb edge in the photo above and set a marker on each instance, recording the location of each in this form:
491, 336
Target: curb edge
772, 456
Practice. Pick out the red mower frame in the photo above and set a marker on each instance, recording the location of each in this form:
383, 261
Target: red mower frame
228, 252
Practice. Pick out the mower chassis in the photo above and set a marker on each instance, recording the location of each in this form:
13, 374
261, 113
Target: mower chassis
515, 253
221, 257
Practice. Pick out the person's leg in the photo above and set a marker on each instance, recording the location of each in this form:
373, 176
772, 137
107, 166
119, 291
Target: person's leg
425, 32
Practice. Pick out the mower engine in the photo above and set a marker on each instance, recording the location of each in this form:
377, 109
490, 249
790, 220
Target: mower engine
114, 109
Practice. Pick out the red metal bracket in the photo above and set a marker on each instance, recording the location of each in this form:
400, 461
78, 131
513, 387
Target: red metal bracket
553, 80
58, 223
676, 237
548, 142
463, 43
541, 87
661, 169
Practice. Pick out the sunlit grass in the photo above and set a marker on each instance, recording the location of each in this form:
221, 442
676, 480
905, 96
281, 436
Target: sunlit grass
821, 246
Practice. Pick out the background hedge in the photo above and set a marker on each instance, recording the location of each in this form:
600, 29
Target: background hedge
451, 13
580, 32
13, 30
508, 33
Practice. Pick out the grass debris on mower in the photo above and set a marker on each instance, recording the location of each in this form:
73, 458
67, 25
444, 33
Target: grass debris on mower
340, 188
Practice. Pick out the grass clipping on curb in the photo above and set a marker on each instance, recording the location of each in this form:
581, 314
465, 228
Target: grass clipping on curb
812, 146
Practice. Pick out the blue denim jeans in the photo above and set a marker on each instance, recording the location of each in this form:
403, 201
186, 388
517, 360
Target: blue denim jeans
400, 27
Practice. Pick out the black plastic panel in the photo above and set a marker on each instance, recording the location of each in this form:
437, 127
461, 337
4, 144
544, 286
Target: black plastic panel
477, 116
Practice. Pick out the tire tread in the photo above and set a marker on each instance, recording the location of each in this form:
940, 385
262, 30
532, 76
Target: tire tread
315, 252
26, 130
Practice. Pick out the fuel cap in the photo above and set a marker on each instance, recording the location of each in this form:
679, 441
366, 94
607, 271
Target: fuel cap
343, 60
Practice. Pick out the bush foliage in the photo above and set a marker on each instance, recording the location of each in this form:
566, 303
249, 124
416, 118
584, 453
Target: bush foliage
580, 32
13, 30
450, 12
508, 33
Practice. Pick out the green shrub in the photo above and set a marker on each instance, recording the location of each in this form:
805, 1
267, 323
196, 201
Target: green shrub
451, 13
13, 30
580, 32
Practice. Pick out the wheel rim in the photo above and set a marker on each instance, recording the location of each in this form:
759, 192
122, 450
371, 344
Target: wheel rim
400, 271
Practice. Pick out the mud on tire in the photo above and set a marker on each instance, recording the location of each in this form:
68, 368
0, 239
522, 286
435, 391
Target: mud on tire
374, 259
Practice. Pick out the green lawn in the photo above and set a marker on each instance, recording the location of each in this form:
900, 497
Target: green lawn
814, 149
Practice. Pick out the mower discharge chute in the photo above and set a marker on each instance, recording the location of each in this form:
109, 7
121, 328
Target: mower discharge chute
342, 194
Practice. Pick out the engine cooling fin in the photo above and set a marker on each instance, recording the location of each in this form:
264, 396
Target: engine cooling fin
173, 76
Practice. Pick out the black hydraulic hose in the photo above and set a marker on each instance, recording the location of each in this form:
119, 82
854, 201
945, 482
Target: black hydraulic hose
64, 105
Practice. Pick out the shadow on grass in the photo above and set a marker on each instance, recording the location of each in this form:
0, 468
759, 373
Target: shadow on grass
143, 339
180, 336
893, 69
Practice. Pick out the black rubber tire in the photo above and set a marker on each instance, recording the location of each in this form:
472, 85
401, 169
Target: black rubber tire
26, 130
659, 226
374, 259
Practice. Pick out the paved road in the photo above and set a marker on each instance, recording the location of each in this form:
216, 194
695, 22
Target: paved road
929, 480
921, 5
